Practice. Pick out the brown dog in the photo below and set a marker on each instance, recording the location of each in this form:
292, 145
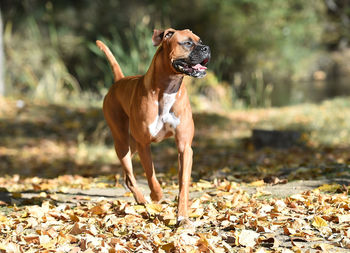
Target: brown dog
144, 109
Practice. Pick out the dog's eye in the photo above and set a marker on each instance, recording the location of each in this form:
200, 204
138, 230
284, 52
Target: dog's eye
188, 43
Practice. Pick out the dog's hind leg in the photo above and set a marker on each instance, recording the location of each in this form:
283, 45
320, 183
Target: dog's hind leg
119, 124
133, 144
124, 156
144, 151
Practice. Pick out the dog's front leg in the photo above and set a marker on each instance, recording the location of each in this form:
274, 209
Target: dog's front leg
185, 168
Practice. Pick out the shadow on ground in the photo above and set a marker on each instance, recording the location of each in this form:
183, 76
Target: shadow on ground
47, 140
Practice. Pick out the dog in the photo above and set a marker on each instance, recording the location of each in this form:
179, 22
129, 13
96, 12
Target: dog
148, 108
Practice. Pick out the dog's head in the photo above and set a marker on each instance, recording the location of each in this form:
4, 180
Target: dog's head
187, 54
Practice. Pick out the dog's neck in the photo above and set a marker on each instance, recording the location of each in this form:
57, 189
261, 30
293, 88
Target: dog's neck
162, 78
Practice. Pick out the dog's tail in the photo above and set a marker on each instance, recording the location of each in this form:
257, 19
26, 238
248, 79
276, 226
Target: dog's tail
117, 71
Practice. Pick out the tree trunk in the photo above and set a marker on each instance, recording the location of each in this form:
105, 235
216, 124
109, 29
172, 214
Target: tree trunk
2, 64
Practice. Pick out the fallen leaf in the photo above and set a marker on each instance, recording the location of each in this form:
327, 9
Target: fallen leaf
345, 243
270, 242
329, 187
32, 239
168, 247
325, 247
73, 217
76, 229
343, 218
248, 238
203, 184
44, 240
97, 210
51, 232
319, 222
130, 210
257, 183
154, 208
16, 195
288, 231
297, 197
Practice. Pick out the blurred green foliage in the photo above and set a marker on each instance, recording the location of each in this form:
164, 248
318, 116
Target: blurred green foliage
49, 45
40, 73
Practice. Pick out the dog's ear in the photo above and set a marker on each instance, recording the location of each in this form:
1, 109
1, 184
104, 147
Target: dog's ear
159, 35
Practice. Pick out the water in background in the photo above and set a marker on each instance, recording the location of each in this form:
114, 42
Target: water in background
290, 93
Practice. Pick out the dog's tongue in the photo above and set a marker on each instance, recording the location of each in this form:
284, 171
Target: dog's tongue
199, 67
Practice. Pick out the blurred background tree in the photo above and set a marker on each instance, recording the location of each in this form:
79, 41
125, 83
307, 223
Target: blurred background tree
2, 84
257, 46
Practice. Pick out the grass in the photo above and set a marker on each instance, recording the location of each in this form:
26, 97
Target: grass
25, 63
325, 124
46, 74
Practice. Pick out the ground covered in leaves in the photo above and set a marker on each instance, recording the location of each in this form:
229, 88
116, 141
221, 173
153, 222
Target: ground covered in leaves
225, 219
58, 166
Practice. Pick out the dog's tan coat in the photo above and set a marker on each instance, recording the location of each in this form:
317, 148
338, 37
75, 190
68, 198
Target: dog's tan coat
148, 108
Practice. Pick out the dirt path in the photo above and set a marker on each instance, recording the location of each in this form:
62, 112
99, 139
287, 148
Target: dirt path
74, 195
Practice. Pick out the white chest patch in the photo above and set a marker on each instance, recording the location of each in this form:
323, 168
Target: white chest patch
165, 116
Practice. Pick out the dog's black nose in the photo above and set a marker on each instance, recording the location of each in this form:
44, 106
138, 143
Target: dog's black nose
205, 49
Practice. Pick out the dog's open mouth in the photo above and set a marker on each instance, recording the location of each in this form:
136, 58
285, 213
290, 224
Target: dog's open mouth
194, 70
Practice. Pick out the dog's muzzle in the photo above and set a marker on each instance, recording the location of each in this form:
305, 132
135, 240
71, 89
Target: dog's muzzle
195, 64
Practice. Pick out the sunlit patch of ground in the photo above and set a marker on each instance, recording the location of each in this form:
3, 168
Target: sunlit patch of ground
39, 139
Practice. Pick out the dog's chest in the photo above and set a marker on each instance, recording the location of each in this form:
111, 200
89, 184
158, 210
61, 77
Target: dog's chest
165, 121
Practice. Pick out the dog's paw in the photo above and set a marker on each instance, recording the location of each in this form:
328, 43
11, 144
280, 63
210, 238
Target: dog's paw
140, 199
156, 196
185, 223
